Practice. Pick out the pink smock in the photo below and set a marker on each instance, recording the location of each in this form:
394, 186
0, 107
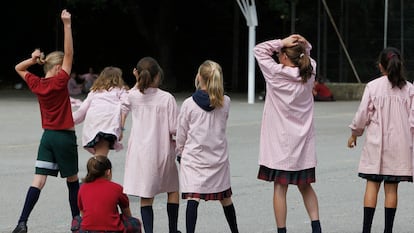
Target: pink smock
150, 163
101, 112
287, 138
202, 143
386, 115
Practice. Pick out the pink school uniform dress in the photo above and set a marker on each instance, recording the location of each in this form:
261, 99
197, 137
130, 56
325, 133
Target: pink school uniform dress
202, 143
100, 113
150, 166
386, 115
287, 138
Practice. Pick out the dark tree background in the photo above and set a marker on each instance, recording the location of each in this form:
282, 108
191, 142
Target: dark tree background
182, 34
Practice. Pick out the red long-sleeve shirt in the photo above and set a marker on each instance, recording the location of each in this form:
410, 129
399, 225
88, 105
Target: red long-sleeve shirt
99, 201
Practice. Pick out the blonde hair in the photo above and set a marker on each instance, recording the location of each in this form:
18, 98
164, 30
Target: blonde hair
52, 59
212, 75
109, 77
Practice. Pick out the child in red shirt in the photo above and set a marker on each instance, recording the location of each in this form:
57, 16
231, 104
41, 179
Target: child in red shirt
99, 199
57, 151
321, 92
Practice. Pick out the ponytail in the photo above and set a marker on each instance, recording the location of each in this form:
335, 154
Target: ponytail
305, 67
144, 80
97, 167
391, 60
299, 57
148, 70
212, 75
52, 59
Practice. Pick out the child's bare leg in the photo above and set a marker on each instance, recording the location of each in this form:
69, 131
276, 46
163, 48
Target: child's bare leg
102, 147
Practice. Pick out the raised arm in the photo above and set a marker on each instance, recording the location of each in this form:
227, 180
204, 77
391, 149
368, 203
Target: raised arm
68, 42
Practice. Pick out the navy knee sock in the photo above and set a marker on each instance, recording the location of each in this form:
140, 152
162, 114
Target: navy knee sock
73, 188
281, 230
316, 226
230, 214
32, 197
147, 215
191, 216
368, 216
172, 211
389, 219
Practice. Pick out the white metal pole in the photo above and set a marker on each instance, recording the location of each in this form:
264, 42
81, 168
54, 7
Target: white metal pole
251, 77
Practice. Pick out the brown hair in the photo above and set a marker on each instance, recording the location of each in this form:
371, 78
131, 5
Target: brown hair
299, 57
148, 70
96, 166
392, 62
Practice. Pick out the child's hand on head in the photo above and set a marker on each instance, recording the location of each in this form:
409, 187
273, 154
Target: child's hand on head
38, 56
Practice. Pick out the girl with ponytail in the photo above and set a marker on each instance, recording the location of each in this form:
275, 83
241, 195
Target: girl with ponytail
103, 205
386, 114
287, 140
202, 144
150, 163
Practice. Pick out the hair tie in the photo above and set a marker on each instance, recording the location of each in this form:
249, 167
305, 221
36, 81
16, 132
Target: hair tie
390, 55
301, 55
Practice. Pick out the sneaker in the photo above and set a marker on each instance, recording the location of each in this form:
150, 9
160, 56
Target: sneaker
20, 228
75, 226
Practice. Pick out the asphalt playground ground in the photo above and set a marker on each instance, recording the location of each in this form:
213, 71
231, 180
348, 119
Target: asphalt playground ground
339, 189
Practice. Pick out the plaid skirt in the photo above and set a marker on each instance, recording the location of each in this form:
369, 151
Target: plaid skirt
305, 176
102, 136
385, 178
208, 196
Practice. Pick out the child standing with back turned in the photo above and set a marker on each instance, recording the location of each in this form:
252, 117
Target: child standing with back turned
386, 114
287, 138
101, 113
202, 144
150, 166
57, 149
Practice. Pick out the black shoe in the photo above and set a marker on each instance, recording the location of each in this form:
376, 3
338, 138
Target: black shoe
76, 222
20, 228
